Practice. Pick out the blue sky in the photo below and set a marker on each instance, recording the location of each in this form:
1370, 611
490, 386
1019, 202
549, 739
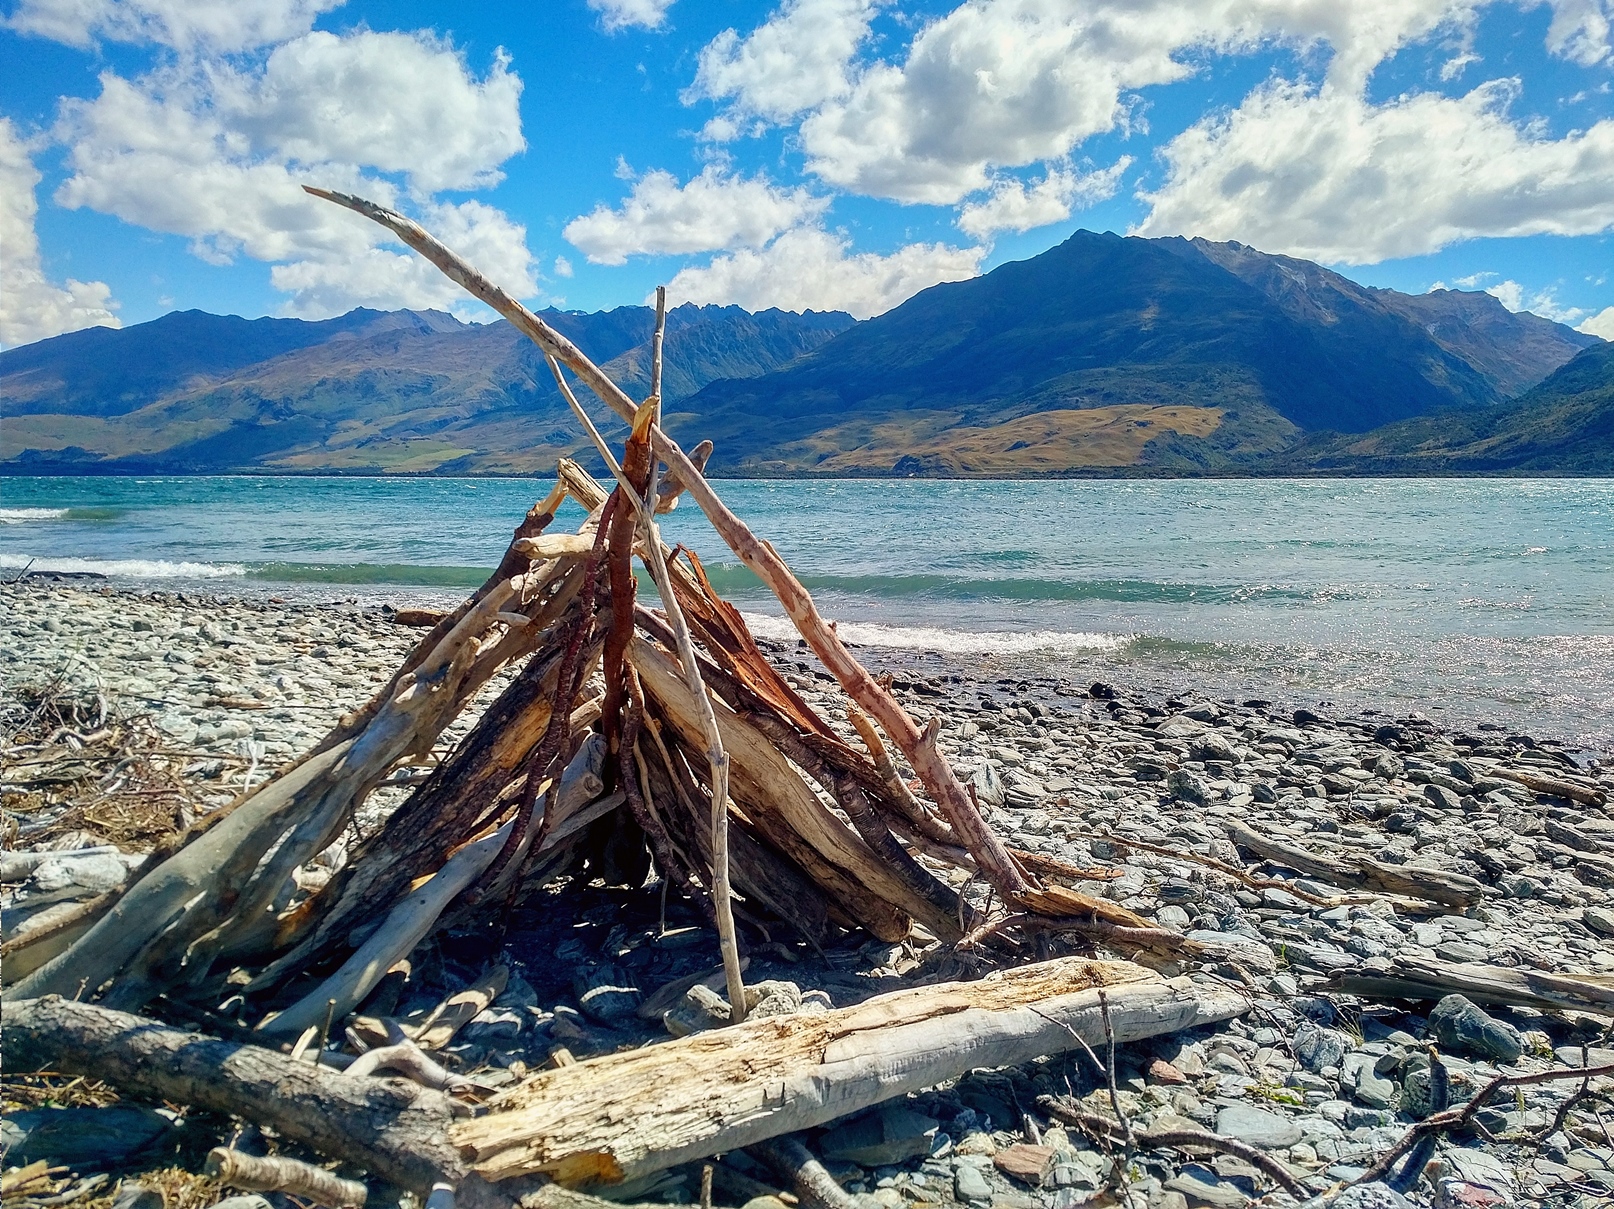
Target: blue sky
811, 153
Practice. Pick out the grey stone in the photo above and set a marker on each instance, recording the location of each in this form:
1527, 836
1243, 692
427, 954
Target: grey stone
1180, 727
1258, 1127
1374, 1089
881, 1139
1371, 1196
1460, 1025
1184, 786
607, 995
1599, 920
1316, 1048
970, 1183
1204, 1187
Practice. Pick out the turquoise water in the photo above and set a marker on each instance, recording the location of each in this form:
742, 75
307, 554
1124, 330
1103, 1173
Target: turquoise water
1473, 600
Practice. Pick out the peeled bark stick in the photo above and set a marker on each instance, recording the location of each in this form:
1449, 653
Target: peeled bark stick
460, 1008
275, 1173
620, 1116
393, 1129
1363, 873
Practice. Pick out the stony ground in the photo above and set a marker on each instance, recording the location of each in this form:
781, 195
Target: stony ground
1323, 1081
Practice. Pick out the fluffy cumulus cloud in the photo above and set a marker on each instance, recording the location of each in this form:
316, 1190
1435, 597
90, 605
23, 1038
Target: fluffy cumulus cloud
713, 211
212, 25
1005, 83
796, 60
1324, 174
216, 151
31, 307
1014, 206
625, 14
812, 269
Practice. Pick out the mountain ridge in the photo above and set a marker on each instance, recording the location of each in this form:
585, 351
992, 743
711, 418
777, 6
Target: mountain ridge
1103, 355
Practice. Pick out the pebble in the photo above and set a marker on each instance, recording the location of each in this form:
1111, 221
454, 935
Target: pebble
1460, 1025
1258, 1127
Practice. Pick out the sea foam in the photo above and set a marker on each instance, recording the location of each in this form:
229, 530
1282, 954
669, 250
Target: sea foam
952, 642
132, 568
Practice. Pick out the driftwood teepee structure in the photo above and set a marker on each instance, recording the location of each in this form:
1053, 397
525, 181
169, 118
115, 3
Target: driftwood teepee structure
672, 718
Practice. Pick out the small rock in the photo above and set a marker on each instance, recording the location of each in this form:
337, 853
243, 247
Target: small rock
1026, 1163
765, 1202
134, 1195
1317, 1048
1203, 1187
1599, 920
1371, 1196
1258, 1127
1459, 1025
1161, 1071
1184, 786
969, 1184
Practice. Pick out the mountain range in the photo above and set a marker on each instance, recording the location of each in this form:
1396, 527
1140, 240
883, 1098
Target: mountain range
1103, 355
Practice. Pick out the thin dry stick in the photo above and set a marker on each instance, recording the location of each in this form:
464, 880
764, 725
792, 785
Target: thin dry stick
716, 757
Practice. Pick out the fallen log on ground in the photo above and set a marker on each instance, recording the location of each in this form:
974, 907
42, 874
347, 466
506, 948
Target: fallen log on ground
394, 1129
1426, 978
1364, 873
625, 1115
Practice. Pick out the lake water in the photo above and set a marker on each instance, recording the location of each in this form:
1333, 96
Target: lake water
1472, 600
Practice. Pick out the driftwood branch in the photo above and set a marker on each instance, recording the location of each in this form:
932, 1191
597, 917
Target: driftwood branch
1364, 873
623, 1115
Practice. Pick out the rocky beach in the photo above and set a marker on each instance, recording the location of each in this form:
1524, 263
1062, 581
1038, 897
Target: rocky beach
1411, 912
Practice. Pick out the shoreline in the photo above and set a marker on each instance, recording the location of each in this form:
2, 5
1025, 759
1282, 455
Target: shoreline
1152, 793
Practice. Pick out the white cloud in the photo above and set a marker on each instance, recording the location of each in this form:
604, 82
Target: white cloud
621, 14
1014, 207
563, 267
1600, 324
798, 59
218, 25
715, 210
1580, 30
1323, 174
395, 101
1541, 302
31, 308
810, 269
1004, 83
218, 152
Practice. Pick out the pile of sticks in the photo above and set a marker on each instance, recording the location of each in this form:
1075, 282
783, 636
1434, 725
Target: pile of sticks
662, 717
